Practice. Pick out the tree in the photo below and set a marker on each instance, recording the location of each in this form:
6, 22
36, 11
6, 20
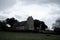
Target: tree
36, 25
11, 21
56, 26
39, 25
0, 24
3, 25
43, 26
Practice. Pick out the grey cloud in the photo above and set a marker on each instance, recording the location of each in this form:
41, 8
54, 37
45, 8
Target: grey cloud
56, 12
17, 16
4, 4
2, 17
41, 1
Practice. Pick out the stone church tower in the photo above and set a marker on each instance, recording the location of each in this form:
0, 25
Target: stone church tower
30, 23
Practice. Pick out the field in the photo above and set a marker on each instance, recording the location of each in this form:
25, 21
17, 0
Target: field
27, 36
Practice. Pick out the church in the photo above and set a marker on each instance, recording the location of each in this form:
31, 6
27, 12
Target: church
25, 25
30, 24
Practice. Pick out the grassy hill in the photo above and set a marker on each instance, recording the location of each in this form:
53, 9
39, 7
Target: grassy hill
27, 36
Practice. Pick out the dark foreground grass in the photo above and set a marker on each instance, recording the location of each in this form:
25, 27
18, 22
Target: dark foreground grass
27, 36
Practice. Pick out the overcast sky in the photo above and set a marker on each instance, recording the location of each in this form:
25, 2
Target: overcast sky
45, 10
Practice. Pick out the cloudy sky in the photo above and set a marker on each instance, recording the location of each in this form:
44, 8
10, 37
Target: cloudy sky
45, 10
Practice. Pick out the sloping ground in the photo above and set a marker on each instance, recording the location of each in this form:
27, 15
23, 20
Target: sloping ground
27, 36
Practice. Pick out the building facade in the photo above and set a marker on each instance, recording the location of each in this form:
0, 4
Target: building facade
26, 25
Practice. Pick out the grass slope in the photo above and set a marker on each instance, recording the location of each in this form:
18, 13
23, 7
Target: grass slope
27, 36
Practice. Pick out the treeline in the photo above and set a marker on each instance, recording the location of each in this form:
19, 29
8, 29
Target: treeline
9, 24
39, 26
